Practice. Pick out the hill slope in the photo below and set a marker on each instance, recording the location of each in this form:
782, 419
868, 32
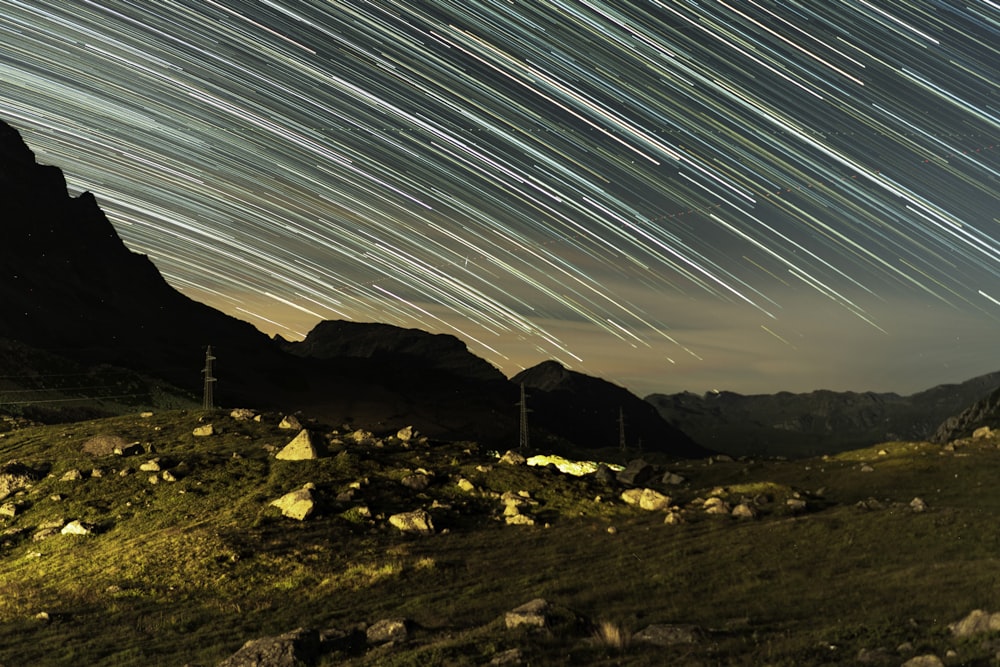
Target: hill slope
591, 411
173, 552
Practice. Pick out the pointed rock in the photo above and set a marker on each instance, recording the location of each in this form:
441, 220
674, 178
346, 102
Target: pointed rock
290, 422
301, 448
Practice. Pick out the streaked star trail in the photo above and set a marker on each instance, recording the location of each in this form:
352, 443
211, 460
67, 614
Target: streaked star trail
745, 194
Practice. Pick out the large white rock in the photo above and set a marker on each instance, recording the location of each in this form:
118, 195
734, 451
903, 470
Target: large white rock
647, 499
301, 448
298, 504
531, 614
75, 528
418, 521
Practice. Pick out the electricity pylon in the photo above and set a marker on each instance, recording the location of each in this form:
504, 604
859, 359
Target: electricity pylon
621, 428
208, 401
523, 440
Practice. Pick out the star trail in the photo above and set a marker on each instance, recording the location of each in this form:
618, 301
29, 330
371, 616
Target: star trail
741, 194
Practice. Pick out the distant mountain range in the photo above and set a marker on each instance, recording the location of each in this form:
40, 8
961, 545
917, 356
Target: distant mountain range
818, 422
75, 299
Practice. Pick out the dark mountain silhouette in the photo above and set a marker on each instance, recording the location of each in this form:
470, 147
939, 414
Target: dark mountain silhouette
71, 289
589, 411
818, 422
69, 286
333, 339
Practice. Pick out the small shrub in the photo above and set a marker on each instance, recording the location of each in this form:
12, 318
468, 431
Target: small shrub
611, 636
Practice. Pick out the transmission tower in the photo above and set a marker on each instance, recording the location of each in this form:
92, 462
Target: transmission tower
208, 401
523, 441
621, 428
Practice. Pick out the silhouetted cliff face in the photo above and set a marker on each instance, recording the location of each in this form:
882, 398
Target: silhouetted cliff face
589, 410
817, 422
68, 284
394, 345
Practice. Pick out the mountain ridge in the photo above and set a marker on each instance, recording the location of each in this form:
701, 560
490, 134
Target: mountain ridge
817, 422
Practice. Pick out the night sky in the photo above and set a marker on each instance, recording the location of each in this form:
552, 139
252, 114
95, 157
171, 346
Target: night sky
745, 195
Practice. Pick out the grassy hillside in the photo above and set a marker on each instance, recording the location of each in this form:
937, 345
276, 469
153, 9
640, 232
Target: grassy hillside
186, 569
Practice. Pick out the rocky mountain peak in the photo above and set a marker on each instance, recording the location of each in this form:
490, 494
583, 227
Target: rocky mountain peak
384, 342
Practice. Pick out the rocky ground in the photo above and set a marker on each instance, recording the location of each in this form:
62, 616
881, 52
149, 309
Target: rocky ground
240, 538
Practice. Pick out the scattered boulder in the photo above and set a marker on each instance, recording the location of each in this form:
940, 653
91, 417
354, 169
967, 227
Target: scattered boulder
647, 499
636, 473
416, 482
673, 519
203, 431
405, 434
716, 505
301, 448
292, 649
514, 503
15, 476
76, 528
290, 422
672, 478
9, 510
977, 622
605, 475
866, 468
465, 485
152, 465
531, 614
918, 505
386, 631
668, 635
131, 449
929, 660
796, 505
361, 436
518, 519
298, 504
103, 445
982, 432
745, 511
242, 414
513, 458
418, 521
870, 504
508, 658
71, 475
876, 656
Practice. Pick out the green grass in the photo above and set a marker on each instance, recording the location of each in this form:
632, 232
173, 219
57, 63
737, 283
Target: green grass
186, 572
